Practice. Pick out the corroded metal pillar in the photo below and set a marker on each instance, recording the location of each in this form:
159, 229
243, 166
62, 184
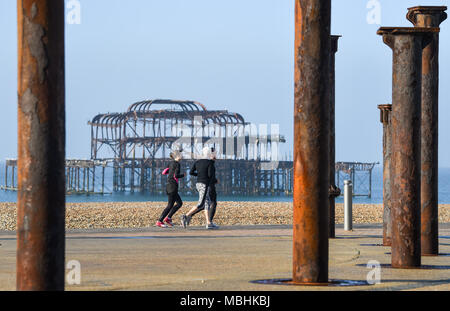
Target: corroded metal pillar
426, 16
41, 145
407, 45
311, 141
334, 190
385, 118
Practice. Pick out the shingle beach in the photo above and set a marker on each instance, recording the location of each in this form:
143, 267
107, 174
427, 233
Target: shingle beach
145, 214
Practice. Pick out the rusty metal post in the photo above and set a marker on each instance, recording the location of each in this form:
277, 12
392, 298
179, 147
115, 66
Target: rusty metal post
385, 118
41, 145
334, 191
407, 45
311, 141
426, 16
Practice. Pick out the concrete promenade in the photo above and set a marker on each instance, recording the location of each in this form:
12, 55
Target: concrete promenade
226, 259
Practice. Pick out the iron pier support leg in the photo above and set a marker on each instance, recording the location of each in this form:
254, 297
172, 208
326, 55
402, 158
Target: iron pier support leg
429, 17
41, 146
407, 45
311, 141
334, 190
385, 118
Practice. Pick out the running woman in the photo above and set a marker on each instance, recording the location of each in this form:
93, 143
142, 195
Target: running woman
174, 200
212, 192
204, 171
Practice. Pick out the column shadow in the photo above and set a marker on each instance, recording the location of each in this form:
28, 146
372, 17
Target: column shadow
422, 267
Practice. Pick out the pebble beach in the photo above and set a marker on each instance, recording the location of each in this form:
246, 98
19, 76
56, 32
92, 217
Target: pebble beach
144, 214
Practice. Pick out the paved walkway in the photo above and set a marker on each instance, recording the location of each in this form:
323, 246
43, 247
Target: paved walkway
226, 259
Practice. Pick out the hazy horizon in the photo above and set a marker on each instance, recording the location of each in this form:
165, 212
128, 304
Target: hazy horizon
234, 55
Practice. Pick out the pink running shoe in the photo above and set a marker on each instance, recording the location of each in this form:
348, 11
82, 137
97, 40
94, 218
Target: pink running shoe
160, 224
168, 221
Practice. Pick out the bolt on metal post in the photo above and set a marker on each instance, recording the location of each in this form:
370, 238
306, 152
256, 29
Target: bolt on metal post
407, 45
41, 146
429, 16
348, 205
311, 141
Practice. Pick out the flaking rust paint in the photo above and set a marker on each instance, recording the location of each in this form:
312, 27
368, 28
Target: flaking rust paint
405, 165
429, 152
30, 93
311, 144
407, 45
40, 242
298, 39
429, 17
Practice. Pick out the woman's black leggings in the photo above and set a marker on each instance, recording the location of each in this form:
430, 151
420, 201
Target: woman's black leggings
173, 205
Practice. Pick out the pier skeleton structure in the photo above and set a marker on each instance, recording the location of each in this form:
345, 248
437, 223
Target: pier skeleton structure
129, 151
138, 143
88, 177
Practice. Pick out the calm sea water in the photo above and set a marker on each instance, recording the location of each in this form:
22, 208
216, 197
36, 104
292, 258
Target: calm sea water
377, 193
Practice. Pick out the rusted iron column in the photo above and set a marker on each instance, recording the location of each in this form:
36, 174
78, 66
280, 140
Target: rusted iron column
334, 190
385, 118
407, 45
426, 16
311, 141
41, 145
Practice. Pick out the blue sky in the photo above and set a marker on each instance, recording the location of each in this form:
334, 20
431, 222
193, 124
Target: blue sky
236, 55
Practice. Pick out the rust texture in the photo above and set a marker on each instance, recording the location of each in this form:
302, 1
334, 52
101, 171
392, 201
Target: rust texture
407, 45
311, 141
334, 190
426, 16
385, 118
41, 145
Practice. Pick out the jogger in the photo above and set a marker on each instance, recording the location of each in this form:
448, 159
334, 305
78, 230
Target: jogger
174, 202
204, 171
212, 193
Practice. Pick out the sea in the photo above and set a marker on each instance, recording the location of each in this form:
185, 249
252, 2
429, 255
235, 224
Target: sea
376, 197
